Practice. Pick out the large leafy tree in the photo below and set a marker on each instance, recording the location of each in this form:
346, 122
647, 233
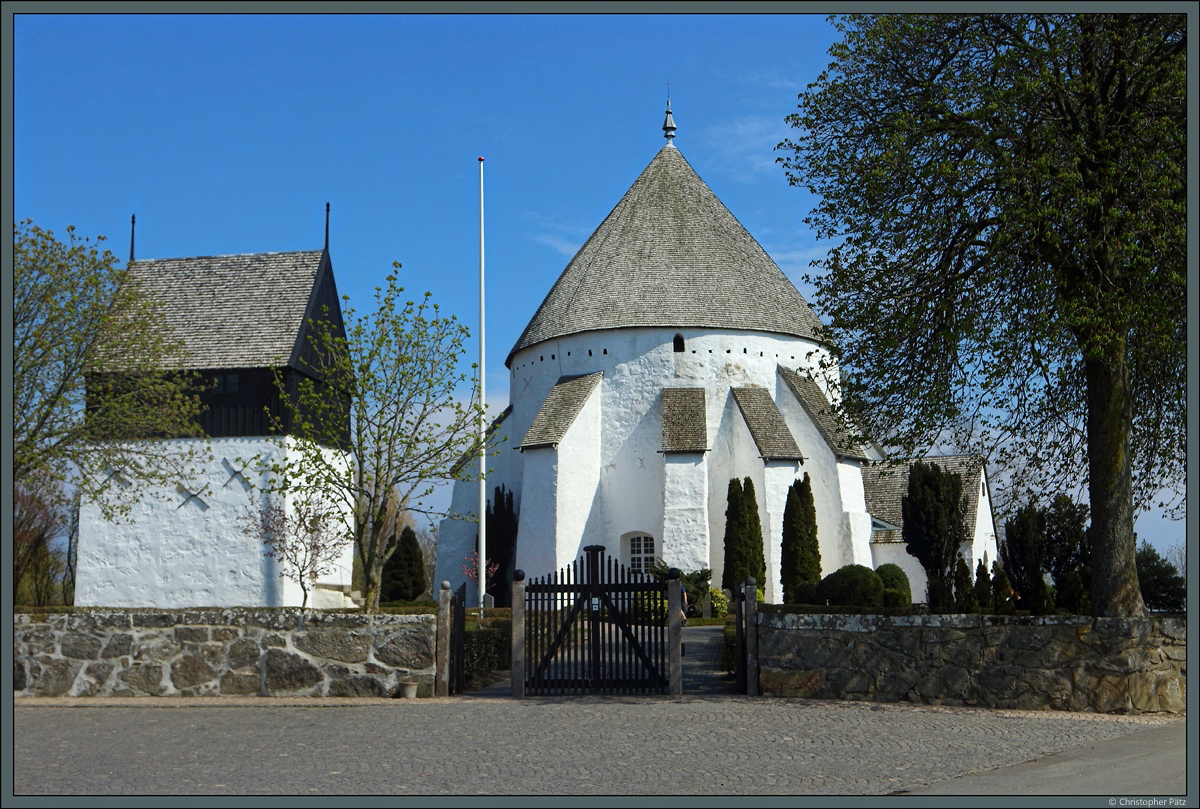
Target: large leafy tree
1007, 196
413, 416
93, 386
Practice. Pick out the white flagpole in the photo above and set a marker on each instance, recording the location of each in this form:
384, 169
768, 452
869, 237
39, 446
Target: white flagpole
481, 567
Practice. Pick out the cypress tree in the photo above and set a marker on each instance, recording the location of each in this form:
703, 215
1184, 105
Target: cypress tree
933, 527
404, 573
752, 537
1023, 553
790, 550
983, 588
734, 558
810, 549
965, 601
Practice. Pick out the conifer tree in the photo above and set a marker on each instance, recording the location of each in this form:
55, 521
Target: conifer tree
1023, 553
752, 536
734, 558
983, 588
965, 601
404, 572
933, 527
789, 552
810, 549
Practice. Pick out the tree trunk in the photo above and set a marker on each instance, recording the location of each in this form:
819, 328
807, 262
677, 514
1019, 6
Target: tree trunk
1115, 589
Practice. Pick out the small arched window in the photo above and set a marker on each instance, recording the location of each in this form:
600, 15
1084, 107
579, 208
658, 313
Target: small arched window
638, 550
679, 344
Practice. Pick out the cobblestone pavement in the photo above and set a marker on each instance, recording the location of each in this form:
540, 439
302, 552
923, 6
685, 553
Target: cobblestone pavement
709, 742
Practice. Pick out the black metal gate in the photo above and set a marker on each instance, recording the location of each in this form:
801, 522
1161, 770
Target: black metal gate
595, 627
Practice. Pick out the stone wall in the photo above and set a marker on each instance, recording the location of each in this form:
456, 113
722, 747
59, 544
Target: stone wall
221, 652
1067, 663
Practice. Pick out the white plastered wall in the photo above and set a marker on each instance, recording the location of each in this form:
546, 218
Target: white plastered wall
639, 489
186, 545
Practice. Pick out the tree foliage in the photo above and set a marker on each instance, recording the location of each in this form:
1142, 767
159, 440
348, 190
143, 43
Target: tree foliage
305, 534
1163, 585
404, 573
744, 557
1023, 553
800, 554
409, 421
933, 529
92, 382
1006, 194
502, 521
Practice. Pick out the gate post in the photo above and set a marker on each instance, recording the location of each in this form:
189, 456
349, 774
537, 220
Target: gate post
751, 661
441, 687
674, 631
518, 633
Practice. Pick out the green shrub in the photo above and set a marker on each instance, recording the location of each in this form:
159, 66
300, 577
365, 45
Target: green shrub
720, 604
895, 599
806, 592
488, 647
729, 648
894, 578
852, 585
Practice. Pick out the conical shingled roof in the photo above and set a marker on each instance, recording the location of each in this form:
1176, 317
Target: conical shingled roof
670, 255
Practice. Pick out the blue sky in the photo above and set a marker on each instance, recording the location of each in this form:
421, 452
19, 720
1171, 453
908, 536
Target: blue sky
227, 134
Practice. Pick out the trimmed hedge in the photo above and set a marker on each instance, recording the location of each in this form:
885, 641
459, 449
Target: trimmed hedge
894, 578
851, 586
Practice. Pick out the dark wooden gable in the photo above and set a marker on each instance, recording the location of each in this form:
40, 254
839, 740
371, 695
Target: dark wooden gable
244, 322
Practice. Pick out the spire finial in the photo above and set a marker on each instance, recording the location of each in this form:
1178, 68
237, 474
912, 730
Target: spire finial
132, 223
669, 123
326, 226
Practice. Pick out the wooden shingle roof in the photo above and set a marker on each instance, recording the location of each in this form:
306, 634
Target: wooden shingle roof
237, 311
558, 412
670, 255
685, 425
884, 484
771, 434
836, 433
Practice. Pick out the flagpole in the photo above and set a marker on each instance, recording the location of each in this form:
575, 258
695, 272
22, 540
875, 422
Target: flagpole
481, 566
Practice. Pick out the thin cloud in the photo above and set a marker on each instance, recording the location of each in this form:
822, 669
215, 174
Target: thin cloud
746, 145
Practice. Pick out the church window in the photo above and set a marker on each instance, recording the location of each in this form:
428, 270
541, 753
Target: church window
639, 552
679, 344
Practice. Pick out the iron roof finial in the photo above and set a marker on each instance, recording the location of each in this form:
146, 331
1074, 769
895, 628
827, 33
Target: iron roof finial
326, 226
669, 123
132, 223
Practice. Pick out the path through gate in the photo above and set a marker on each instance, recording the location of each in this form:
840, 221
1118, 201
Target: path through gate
595, 627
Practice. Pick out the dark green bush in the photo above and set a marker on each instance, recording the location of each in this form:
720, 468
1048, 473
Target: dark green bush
894, 578
895, 599
488, 647
806, 592
852, 585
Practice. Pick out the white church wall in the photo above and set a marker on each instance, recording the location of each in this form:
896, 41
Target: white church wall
536, 545
686, 538
858, 520
983, 541
578, 479
734, 455
185, 546
829, 483
636, 365
778, 477
894, 553
458, 534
